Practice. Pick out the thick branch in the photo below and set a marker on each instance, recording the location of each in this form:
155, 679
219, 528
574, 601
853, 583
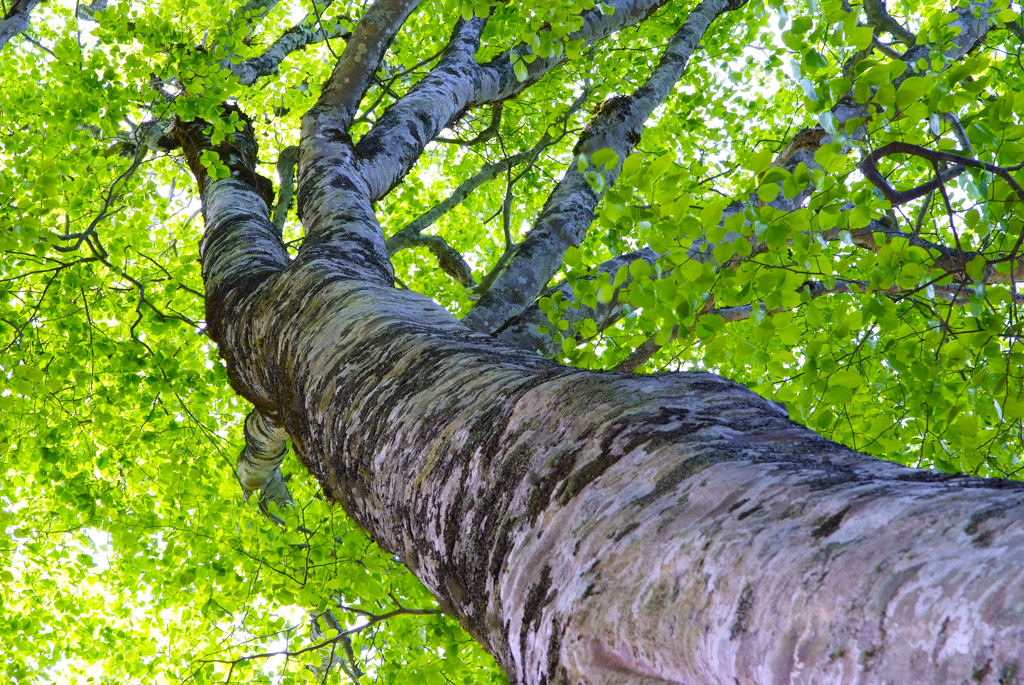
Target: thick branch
880, 19
16, 19
300, 36
335, 203
569, 210
240, 247
458, 83
364, 51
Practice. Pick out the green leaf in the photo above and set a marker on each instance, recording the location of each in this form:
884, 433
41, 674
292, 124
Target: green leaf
520, 70
760, 160
911, 90
859, 37
976, 267
605, 157
768, 192
711, 215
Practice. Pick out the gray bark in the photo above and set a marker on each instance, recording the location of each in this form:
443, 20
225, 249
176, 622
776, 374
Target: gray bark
16, 20
588, 527
603, 528
570, 208
458, 83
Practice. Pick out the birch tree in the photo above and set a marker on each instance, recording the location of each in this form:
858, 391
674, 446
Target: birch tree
622, 342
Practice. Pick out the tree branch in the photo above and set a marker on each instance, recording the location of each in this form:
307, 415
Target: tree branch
487, 173
484, 135
307, 32
448, 258
569, 210
880, 19
951, 260
334, 201
459, 83
240, 247
286, 172
896, 197
354, 71
88, 11
523, 331
1016, 29
16, 19
266, 444
951, 293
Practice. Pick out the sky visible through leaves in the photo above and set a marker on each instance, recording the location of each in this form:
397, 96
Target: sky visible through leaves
130, 555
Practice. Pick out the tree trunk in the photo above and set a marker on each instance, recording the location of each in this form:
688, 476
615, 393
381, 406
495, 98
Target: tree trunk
588, 527
594, 527
605, 528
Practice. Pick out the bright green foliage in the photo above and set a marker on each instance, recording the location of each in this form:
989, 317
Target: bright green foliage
129, 554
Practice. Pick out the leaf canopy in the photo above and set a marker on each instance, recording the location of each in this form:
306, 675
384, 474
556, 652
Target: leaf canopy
893, 327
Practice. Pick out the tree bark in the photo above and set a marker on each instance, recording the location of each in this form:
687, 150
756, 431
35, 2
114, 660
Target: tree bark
603, 528
16, 19
588, 527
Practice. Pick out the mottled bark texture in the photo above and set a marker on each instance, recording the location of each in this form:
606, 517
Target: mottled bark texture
601, 528
589, 527
388, 151
569, 210
16, 19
